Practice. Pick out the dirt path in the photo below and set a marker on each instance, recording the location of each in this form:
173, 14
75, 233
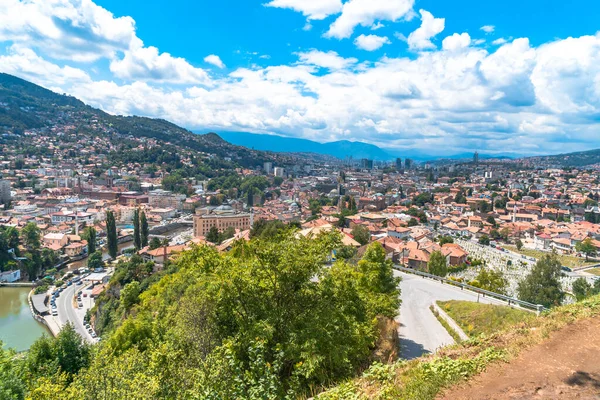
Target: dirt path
566, 366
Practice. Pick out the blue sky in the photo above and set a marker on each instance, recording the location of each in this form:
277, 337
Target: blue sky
433, 77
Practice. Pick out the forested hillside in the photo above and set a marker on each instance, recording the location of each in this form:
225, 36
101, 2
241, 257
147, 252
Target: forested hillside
269, 320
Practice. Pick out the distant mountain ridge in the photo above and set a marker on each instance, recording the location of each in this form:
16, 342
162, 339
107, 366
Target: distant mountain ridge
577, 159
340, 149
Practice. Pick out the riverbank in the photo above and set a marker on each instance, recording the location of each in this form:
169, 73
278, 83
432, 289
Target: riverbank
16, 284
47, 321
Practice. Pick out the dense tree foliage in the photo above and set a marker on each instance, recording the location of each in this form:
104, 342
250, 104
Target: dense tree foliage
491, 280
111, 234
272, 319
361, 234
542, 285
89, 234
437, 265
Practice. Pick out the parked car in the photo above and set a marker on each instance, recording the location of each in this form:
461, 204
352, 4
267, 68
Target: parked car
54, 313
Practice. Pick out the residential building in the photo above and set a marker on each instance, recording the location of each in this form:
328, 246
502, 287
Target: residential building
279, 172
5, 196
165, 199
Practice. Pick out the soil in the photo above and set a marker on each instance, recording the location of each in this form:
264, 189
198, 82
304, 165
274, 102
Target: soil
566, 366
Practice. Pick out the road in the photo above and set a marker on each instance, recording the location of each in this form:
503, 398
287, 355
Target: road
68, 313
420, 331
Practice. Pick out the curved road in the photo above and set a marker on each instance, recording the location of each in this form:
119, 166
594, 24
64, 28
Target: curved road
68, 313
420, 331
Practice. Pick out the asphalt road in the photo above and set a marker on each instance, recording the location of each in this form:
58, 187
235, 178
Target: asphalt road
68, 313
420, 331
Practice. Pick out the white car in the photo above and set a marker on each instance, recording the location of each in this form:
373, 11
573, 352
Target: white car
54, 313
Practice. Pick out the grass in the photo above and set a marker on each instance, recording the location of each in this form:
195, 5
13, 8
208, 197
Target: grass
567, 261
476, 318
425, 378
594, 271
446, 326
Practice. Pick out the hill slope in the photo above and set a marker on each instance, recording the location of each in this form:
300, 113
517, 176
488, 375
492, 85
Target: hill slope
25, 106
578, 159
340, 149
526, 347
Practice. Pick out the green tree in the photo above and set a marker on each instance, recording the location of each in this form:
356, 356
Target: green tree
111, 234
213, 235
437, 264
413, 222
30, 235
95, 261
379, 281
144, 231
361, 234
484, 240
137, 238
493, 281
586, 247
154, 243
130, 295
519, 244
89, 234
542, 285
445, 240
582, 289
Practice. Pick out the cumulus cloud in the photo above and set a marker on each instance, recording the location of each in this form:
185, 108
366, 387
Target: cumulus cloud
456, 42
371, 42
216, 60
366, 12
420, 39
330, 60
488, 28
516, 97
81, 31
26, 63
499, 42
311, 9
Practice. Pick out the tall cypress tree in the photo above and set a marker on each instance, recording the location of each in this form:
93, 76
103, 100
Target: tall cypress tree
137, 240
144, 229
111, 234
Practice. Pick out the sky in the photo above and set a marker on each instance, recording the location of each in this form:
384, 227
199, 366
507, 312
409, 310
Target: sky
429, 76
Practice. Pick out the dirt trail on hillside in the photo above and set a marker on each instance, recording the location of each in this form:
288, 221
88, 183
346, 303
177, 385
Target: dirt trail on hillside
566, 366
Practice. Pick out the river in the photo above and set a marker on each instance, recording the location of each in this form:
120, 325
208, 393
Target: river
18, 329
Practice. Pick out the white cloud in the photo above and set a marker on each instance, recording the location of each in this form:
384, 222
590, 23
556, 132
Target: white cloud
456, 42
488, 28
312, 9
366, 12
81, 31
377, 26
26, 63
514, 97
330, 60
430, 26
216, 61
499, 42
146, 63
371, 42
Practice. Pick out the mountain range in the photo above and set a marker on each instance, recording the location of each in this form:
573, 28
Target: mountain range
340, 149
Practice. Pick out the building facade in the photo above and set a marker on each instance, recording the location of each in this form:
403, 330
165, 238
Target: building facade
222, 217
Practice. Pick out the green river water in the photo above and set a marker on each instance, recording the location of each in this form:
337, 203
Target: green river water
18, 329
